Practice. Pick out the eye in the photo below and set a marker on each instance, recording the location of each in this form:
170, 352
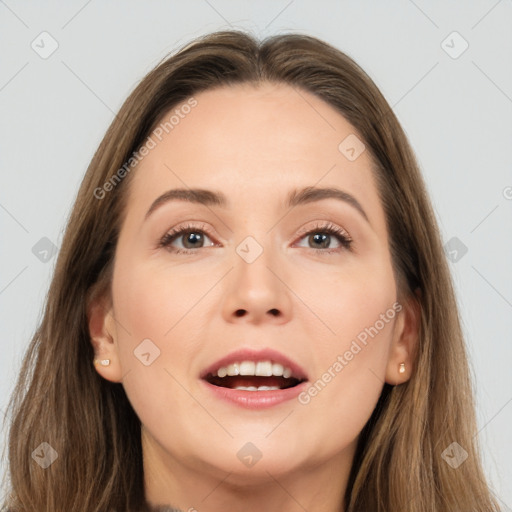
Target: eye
320, 238
191, 238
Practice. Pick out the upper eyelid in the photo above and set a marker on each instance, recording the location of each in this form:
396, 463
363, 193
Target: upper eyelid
324, 225
203, 227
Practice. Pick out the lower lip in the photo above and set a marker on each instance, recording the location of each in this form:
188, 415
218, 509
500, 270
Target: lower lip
255, 399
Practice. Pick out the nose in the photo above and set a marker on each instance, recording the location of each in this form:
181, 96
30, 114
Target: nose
257, 292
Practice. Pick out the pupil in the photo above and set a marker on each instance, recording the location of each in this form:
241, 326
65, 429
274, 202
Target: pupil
322, 239
192, 237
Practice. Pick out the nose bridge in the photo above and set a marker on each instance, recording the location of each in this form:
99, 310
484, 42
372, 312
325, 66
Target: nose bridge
254, 290
252, 268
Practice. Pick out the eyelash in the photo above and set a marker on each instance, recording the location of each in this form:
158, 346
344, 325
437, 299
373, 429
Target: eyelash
329, 228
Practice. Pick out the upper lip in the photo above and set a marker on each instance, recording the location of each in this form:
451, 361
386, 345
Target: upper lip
250, 354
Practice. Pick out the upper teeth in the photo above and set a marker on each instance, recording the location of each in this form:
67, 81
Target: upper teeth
256, 368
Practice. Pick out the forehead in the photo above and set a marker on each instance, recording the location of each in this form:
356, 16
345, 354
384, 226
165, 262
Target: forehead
254, 143
256, 123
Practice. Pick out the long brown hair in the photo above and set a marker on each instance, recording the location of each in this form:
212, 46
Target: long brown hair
61, 400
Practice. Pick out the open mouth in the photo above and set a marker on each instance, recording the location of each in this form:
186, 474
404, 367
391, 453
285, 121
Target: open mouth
254, 376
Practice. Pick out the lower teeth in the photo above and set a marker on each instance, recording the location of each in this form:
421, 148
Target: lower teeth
260, 388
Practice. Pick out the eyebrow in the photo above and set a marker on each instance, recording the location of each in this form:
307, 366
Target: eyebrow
216, 198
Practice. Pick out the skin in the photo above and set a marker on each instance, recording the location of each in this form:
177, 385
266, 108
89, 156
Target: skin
254, 145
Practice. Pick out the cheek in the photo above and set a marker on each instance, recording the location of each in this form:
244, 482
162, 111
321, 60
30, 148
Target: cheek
148, 307
151, 301
347, 300
359, 306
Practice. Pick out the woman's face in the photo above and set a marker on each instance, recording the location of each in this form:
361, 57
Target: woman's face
263, 275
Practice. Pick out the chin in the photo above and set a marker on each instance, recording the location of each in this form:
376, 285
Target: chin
253, 461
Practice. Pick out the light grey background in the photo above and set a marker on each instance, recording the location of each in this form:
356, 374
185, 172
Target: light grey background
456, 112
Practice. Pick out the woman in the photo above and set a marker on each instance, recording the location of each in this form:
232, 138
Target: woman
251, 309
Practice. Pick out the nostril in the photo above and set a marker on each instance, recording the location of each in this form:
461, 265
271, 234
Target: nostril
242, 312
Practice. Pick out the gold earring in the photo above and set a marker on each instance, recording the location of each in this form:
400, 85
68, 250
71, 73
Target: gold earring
401, 368
103, 362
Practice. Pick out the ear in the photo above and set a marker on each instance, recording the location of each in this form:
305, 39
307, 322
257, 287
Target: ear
103, 335
405, 340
